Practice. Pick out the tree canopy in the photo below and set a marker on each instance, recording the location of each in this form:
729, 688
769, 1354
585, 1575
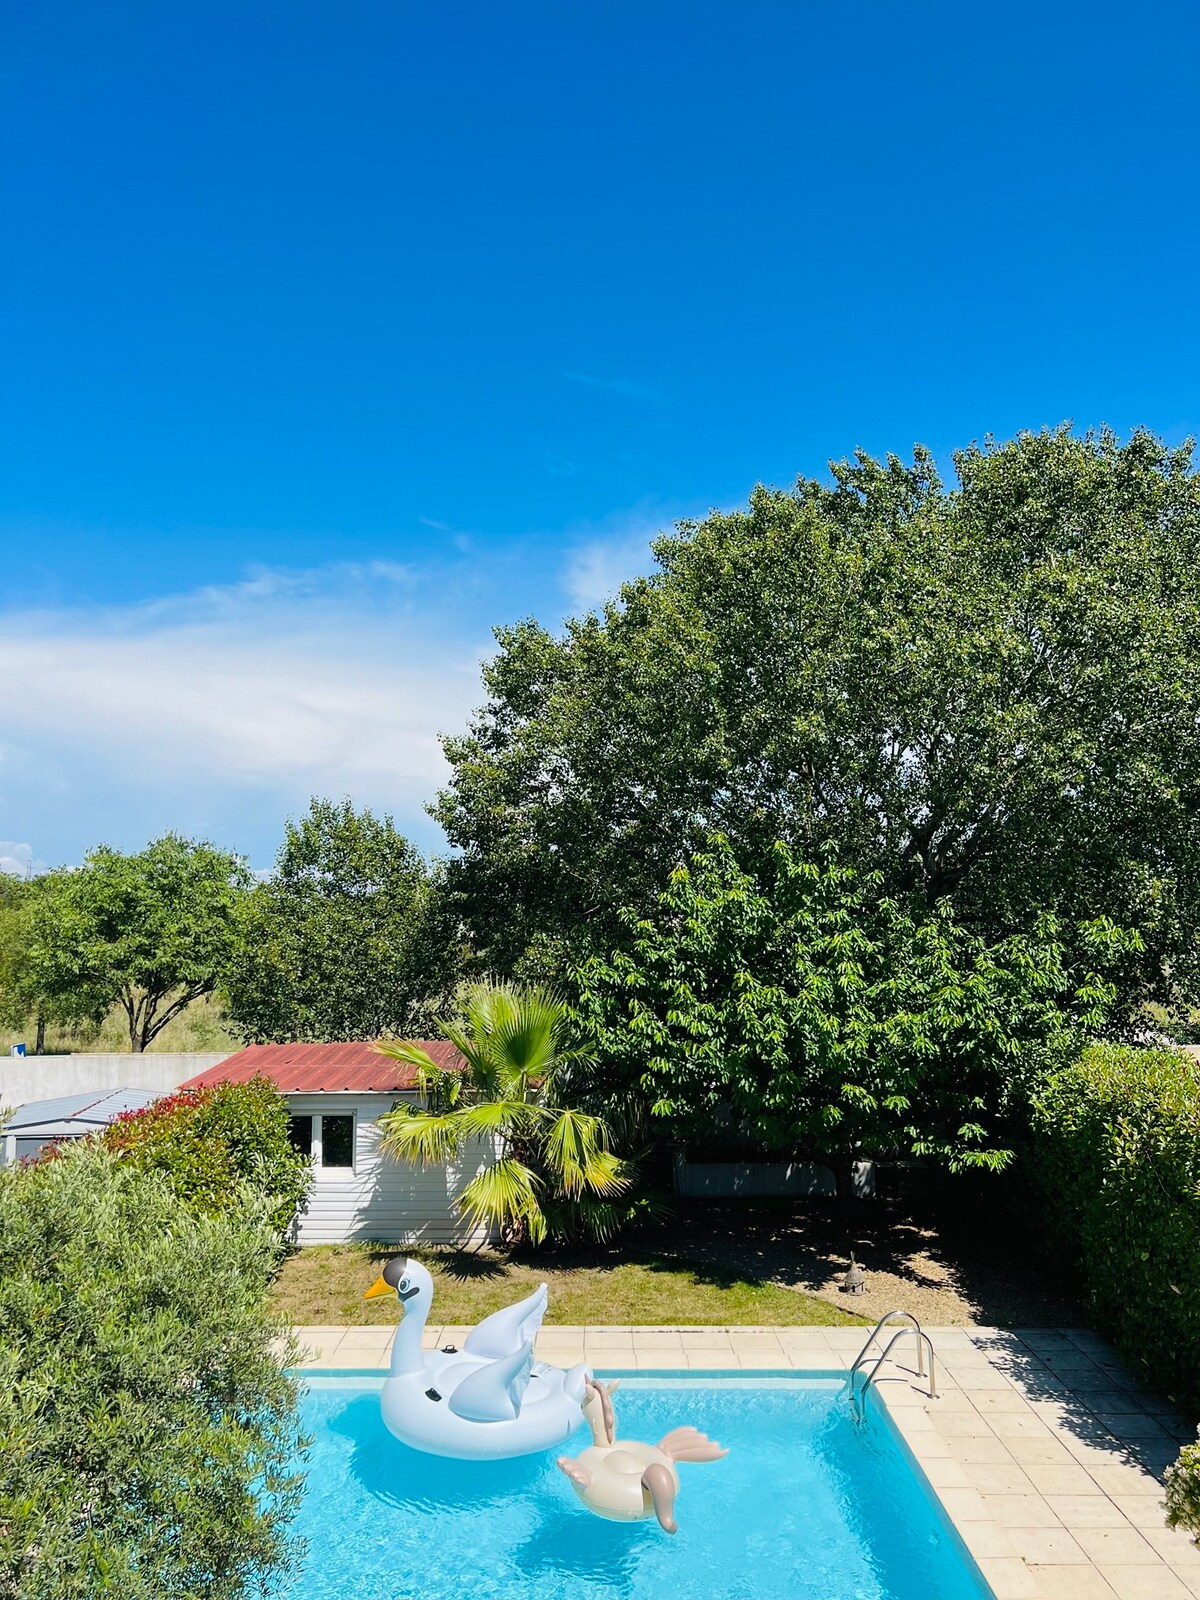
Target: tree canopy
151, 932
987, 693
23, 913
797, 1007
348, 939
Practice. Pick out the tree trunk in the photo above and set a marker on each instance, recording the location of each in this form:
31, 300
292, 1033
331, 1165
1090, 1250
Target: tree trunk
842, 1166
39, 1043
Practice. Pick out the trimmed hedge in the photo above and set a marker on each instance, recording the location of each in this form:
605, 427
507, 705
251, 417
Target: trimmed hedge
1116, 1155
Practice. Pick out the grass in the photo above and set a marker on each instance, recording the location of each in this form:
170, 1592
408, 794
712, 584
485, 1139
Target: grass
324, 1284
202, 1026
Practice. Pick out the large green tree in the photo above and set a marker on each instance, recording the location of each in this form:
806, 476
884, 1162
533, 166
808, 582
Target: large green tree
348, 939
150, 932
988, 693
797, 1007
23, 909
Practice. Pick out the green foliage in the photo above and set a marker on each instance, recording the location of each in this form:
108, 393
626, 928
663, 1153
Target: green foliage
151, 932
24, 914
215, 1143
988, 694
800, 1005
1183, 1491
349, 939
555, 1171
147, 1432
1116, 1154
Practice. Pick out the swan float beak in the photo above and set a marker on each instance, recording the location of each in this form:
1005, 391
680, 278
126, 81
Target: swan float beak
394, 1279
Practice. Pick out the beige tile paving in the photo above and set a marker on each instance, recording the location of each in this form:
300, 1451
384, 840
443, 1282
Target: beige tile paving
1039, 1445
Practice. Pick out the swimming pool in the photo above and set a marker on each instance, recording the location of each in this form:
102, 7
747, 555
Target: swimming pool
806, 1506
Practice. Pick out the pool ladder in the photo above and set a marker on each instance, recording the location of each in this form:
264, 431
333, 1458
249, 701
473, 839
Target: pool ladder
924, 1343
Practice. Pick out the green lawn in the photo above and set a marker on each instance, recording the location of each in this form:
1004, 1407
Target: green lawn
325, 1284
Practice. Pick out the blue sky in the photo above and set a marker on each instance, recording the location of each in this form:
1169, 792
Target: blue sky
335, 334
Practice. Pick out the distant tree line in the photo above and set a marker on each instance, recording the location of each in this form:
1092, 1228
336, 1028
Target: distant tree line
350, 937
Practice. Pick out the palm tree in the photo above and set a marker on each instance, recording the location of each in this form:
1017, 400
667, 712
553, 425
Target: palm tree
555, 1171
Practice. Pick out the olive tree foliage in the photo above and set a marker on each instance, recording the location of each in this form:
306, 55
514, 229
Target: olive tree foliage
148, 1434
799, 1007
349, 938
987, 692
150, 931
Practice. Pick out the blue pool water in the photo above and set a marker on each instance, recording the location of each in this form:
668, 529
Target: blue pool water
806, 1506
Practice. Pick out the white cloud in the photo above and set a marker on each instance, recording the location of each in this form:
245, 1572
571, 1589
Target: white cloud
335, 681
610, 553
219, 711
19, 861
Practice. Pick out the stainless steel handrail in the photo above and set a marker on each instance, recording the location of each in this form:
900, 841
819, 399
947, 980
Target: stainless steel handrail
888, 1317
858, 1396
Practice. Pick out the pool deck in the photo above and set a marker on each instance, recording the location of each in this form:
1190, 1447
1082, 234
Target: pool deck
1045, 1454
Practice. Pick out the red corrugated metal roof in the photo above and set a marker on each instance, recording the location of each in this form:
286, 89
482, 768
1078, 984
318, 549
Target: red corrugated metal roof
353, 1067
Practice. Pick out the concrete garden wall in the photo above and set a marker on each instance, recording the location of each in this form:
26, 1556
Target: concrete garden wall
27, 1078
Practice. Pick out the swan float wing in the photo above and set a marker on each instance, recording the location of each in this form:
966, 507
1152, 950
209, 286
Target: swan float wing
506, 1331
493, 1393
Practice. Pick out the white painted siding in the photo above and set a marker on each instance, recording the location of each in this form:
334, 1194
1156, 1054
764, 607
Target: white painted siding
381, 1199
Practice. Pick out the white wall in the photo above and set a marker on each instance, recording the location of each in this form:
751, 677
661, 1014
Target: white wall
27, 1078
381, 1199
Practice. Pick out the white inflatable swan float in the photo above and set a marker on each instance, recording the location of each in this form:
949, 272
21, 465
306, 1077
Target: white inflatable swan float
624, 1480
489, 1401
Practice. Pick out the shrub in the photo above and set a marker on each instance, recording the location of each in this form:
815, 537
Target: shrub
1116, 1155
210, 1141
148, 1433
1183, 1491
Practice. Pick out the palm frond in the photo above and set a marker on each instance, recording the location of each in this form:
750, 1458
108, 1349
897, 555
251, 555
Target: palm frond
475, 1050
442, 1089
504, 1194
577, 1153
423, 1137
408, 1051
504, 1117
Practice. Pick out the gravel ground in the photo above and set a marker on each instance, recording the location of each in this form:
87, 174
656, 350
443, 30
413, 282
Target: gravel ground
949, 1263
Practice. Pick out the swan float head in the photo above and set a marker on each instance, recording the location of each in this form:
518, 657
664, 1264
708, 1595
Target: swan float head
410, 1282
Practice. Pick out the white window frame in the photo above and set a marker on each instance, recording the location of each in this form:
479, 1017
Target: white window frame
318, 1144
317, 1150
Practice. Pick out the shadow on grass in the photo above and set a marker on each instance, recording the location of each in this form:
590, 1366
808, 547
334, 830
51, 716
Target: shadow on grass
464, 1266
973, 1244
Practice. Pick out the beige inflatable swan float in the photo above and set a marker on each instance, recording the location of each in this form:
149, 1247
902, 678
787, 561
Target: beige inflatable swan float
627, 1481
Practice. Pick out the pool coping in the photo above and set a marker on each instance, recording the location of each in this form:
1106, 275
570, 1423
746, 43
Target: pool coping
1042, 1452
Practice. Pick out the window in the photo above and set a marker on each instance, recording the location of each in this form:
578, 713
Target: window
337, 1141
328, 1140
300, 1132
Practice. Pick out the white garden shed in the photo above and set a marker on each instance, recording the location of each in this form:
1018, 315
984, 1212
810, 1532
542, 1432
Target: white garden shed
336, 1094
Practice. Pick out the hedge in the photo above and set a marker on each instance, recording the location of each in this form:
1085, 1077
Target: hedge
1116, 1156
149, 1441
